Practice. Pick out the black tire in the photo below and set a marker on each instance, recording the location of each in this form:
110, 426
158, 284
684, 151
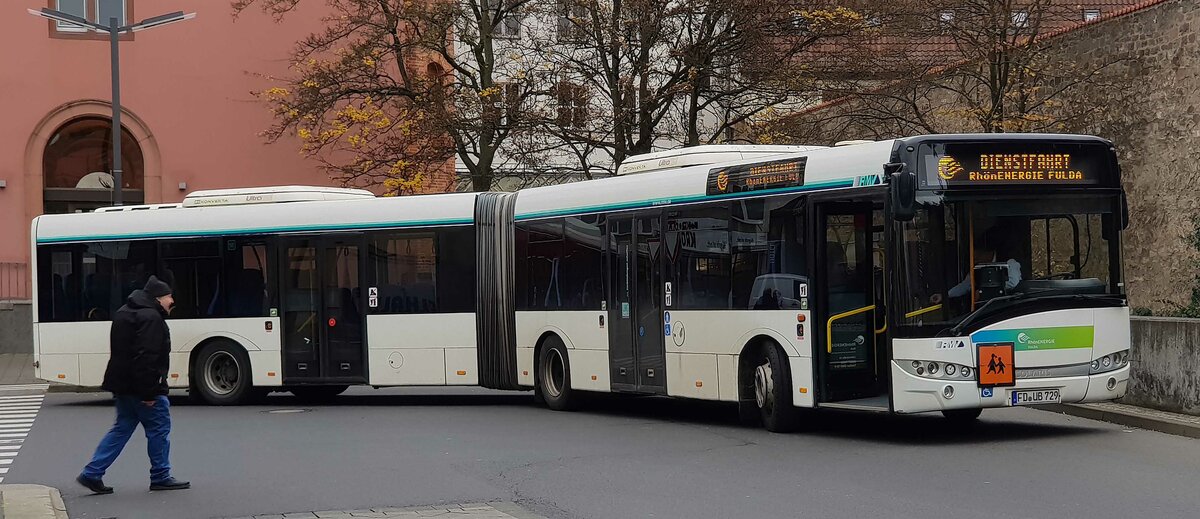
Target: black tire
962, 416
318, 393
221, 375
772, 391
553, 378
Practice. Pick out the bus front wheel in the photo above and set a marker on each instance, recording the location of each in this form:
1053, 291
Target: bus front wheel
222, 374
554, 376
771, 391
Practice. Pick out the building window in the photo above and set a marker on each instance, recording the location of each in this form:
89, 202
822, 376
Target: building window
96, 11
572, 104
506, 22
511, 104
572, 18
946, 17
1020, 19
77, 165
1091, 15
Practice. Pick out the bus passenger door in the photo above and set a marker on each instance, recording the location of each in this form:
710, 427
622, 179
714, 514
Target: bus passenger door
345, 314
636, 348
323, 318
849, 338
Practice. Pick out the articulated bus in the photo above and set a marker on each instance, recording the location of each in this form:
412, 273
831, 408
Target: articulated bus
942, 273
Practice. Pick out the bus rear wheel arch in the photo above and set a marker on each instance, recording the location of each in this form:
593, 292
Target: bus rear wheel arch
764, 386
220, 373
552, 374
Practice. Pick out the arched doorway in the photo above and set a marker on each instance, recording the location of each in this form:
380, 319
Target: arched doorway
76, 167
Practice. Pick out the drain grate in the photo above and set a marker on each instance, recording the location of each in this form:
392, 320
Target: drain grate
288, 411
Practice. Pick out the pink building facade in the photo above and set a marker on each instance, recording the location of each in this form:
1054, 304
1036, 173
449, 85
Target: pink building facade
190, 120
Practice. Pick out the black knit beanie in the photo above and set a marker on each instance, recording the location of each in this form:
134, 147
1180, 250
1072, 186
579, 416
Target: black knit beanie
157, 288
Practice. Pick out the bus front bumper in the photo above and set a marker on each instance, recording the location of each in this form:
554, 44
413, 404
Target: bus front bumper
913, 394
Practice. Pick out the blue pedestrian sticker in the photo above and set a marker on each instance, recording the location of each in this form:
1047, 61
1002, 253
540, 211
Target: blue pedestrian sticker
985, 392
667, 329
641, 331
667, 317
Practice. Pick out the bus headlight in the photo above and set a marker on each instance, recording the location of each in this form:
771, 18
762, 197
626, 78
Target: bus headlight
1110, 362
936, 370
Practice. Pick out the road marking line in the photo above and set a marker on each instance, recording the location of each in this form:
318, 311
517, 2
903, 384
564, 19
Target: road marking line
13, 435
5, 462
19, 387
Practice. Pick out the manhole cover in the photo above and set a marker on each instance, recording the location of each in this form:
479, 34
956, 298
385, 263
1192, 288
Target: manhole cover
287, 411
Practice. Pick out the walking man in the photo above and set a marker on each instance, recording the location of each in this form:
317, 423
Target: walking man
140, 347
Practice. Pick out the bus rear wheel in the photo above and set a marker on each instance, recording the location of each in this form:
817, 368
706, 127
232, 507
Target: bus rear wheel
772, 393
222, 374
318, 393
554, 376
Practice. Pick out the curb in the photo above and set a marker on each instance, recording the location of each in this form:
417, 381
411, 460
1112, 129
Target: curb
31, 502
65, 388
1131, 419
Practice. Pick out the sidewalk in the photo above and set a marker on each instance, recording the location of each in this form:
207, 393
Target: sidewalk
461, 511
31, 502
17, 368
1132, 416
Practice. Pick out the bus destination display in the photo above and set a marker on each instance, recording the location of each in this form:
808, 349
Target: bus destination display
968, 164
756, 177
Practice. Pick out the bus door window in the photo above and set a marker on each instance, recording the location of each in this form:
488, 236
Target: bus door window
847, 286
301, 307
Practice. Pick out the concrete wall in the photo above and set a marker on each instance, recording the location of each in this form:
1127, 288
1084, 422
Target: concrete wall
16, 327
1165, 361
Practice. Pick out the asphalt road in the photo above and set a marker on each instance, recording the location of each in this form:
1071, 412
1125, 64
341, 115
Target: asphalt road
618, 458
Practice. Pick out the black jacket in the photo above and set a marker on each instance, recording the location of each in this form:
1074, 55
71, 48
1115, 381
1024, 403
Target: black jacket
139, 349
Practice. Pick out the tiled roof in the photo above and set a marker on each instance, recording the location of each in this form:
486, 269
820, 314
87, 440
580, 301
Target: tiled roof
932, 48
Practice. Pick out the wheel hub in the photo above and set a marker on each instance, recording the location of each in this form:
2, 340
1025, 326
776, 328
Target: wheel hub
221, 373
764, 386
553, 374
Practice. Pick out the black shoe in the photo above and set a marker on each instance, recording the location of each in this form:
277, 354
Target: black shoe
95, 485
170, 484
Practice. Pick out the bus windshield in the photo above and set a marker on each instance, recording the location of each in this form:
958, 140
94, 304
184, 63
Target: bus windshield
1012, 246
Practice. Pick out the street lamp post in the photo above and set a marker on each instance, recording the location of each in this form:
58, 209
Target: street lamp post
114, 30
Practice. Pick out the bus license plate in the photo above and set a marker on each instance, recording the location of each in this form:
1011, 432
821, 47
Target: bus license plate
1036, 397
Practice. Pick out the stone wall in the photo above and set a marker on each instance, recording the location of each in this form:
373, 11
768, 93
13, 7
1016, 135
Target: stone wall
1153, 56
16, 327
1157, 134
1165, 364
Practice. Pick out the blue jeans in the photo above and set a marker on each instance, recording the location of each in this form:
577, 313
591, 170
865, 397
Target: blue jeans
155, 420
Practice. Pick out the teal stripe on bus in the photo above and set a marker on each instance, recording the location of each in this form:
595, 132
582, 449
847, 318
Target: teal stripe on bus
656, 202
260, 230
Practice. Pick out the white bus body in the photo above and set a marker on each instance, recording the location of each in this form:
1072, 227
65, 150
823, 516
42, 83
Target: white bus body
817, 277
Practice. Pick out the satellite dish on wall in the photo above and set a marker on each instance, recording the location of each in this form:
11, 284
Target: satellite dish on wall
96, 180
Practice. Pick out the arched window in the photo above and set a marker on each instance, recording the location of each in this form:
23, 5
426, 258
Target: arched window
77, 166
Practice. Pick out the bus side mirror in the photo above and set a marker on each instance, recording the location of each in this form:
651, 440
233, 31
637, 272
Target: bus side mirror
903, 191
